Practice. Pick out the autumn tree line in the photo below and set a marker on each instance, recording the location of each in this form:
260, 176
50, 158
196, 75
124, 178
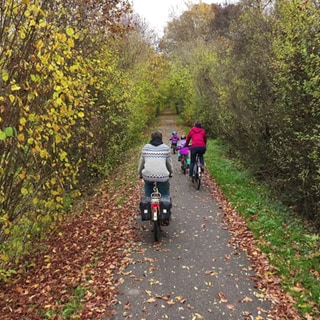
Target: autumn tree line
77, 86
251, 73
81, 80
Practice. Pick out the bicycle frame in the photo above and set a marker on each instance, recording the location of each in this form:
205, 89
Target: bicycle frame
155, 211
155, 206
183, 161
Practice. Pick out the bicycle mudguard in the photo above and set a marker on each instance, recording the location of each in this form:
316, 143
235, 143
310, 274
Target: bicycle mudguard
145, 208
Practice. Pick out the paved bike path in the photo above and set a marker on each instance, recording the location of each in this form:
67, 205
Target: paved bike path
193, 272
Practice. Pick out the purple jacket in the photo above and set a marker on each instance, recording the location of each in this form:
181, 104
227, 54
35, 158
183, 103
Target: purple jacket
174, 139
184, 151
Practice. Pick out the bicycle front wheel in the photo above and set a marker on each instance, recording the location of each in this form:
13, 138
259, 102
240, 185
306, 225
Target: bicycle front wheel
183, 165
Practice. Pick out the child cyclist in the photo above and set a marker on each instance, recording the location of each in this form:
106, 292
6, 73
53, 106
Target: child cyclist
183, 151
174, 140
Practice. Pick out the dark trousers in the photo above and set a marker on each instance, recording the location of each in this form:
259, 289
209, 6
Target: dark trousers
163, 187
194, 151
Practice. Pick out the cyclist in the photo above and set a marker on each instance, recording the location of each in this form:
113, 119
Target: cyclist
183, 150
198, 137
155, 164
174, 139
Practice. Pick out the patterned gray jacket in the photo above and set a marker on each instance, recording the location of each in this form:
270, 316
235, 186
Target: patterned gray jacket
155, 163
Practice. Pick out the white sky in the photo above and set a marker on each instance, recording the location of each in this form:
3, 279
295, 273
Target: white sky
158, 12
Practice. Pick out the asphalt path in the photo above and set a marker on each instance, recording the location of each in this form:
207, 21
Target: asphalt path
193, 272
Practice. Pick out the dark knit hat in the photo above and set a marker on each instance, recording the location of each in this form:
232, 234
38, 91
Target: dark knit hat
197, 124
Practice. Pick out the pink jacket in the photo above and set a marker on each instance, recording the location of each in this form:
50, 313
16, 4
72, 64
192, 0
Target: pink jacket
198, 137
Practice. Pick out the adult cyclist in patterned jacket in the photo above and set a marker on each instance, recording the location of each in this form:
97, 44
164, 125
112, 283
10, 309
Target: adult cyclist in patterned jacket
155, 164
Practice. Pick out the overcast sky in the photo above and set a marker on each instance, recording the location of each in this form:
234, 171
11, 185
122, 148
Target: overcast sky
157, 12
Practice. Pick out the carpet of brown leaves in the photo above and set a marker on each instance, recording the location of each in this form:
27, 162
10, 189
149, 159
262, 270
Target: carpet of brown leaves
86, 252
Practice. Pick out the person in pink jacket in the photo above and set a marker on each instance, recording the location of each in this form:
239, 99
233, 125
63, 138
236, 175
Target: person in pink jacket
198, 137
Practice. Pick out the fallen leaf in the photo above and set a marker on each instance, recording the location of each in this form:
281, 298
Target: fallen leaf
246, 299
231, 307
222, 297
180, 299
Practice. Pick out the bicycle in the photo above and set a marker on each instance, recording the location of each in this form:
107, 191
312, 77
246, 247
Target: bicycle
184, 166
156, 209
197, 173
174, 148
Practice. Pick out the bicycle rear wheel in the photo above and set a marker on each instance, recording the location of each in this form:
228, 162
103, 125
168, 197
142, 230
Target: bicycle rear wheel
156, 230
198, 181
183, 165
198, 176
194, 172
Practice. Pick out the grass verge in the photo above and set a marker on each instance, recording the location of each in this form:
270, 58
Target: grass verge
292, 244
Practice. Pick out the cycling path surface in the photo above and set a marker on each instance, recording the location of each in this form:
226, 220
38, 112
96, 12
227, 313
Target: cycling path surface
200, 269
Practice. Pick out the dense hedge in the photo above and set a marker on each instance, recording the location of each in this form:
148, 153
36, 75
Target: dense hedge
70, 106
